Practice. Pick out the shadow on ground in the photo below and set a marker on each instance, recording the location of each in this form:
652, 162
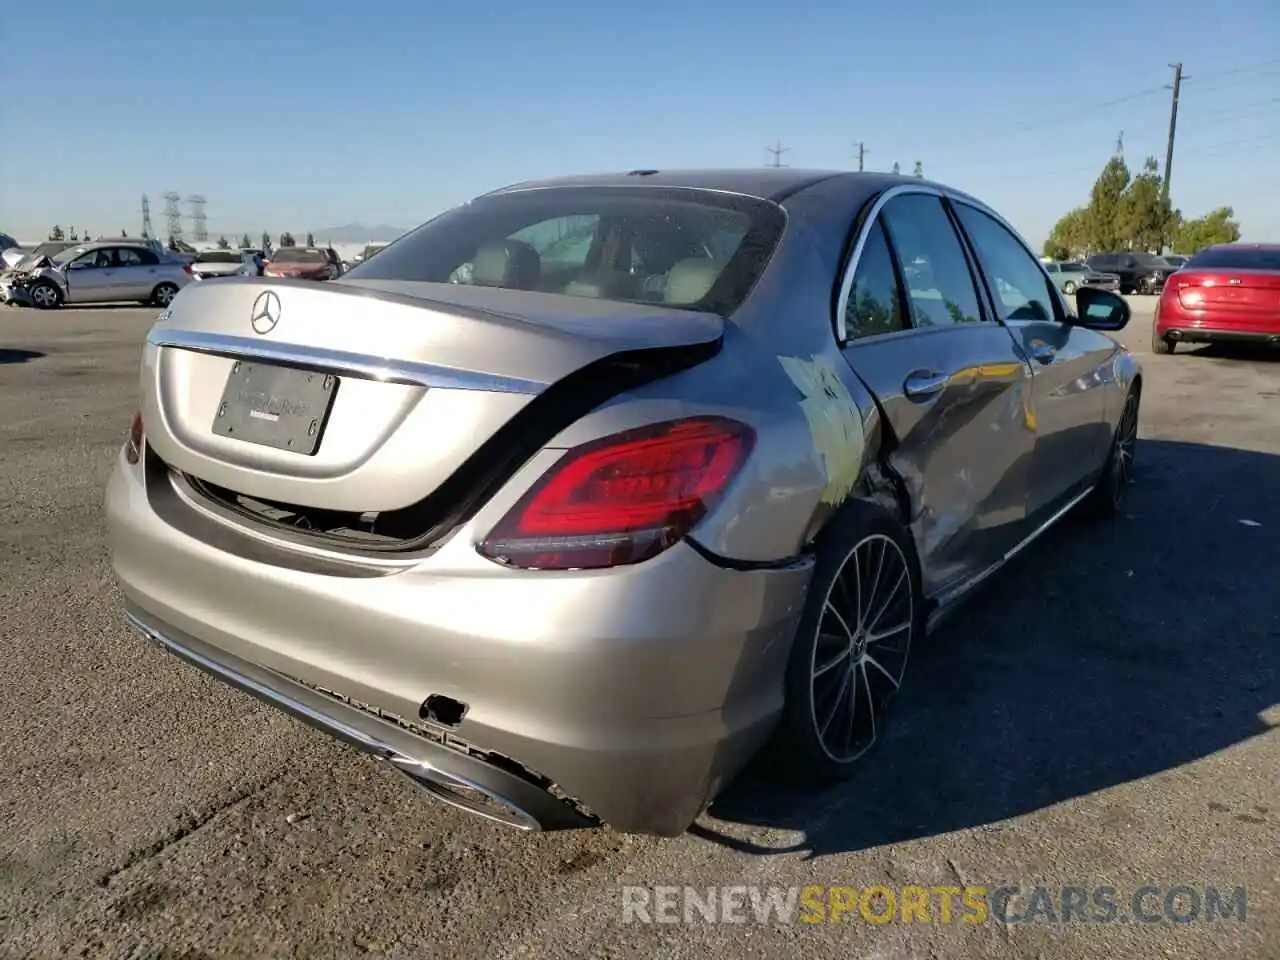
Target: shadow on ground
1232, 351
8, 355
1108, 653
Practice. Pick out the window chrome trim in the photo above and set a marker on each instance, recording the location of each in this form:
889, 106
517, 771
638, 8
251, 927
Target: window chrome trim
954, 197
340, 362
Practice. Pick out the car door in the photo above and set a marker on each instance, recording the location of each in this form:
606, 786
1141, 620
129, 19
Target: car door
950, 382
90, 276
1068, 384
135, 273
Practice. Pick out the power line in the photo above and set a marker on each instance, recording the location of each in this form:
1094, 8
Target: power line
1261, 67
980, 139
776, 152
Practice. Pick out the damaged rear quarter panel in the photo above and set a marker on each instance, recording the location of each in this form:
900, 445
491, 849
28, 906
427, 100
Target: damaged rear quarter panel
788, 381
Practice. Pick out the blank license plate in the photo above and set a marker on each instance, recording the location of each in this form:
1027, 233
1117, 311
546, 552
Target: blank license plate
279, 407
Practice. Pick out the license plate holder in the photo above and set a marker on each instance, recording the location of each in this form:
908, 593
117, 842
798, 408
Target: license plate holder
282, 407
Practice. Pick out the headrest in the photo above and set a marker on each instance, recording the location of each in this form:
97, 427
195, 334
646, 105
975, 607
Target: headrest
506, 263
690, 280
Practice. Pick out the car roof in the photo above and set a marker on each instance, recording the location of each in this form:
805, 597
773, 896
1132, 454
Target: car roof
1243, 246
766, 183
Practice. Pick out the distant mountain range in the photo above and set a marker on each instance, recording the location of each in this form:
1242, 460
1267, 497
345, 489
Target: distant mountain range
356, 233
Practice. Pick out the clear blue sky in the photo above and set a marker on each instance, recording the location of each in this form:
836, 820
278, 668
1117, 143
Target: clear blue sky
291, 116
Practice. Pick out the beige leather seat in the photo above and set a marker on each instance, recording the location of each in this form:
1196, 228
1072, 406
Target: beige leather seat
507, 263
691, 280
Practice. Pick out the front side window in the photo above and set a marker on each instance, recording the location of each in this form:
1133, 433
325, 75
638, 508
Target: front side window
940, 289
1020, 289
680, 247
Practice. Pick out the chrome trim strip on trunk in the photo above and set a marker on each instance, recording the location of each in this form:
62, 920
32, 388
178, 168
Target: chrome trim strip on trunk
340, 362
440, 783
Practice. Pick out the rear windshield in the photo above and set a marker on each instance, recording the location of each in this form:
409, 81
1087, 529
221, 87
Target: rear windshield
299, 255
684, 248
1236, 258
220, 256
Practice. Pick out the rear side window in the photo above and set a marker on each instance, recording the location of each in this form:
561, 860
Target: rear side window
940, 288
874, 304
1236, 258
685, 248
1021, 290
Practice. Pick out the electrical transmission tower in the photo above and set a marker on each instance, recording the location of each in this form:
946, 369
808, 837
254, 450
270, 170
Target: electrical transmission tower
173, 214
197, 215
776, 152
146, 216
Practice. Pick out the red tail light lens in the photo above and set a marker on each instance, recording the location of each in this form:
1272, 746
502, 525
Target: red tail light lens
133, 446
622, 499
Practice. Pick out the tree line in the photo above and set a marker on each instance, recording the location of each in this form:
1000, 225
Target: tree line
1133, 212
178, 244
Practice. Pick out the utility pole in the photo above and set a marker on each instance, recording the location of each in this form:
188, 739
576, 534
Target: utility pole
1173, 127
777, 152
862, 151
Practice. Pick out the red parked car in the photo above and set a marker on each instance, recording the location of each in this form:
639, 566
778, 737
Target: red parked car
304, 263
1229, 292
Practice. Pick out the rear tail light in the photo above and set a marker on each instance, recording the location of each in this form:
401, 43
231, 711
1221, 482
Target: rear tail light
623, 499
187, 268
133, 446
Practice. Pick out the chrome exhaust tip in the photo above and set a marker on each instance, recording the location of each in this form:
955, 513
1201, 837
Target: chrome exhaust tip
464, 795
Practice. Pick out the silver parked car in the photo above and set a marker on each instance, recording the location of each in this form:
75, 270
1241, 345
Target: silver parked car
227, 263
1070, 275
104, 271
580, 495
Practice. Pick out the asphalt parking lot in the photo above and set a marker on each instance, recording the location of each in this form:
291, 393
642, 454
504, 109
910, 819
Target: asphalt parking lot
1104, 715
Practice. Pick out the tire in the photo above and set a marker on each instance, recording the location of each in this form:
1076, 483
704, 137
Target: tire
163, 294
45, 295
1159, 344
1069, 287
799, 752
1107, 498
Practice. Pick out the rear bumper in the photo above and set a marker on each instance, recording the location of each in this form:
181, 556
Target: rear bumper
637, 692
1185, 327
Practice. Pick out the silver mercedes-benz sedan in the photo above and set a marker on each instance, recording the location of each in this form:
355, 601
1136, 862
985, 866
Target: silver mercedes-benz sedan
582, 494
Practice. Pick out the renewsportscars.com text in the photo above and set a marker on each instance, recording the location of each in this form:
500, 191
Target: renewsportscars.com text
974, 905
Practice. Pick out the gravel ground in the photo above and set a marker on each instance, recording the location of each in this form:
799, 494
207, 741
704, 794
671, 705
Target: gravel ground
1104, 715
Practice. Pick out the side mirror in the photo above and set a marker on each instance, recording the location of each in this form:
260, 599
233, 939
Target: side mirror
79, 265
1101, 309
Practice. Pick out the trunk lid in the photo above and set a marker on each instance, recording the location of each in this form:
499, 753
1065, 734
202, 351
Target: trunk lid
423, 376
1244, 291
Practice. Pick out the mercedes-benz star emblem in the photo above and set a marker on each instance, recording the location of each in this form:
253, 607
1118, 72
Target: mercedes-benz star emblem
266, 312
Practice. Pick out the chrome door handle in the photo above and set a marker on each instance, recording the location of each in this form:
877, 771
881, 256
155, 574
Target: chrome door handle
1043, 352
920, 386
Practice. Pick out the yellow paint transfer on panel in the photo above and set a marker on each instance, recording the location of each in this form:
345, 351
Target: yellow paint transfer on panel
834, 423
